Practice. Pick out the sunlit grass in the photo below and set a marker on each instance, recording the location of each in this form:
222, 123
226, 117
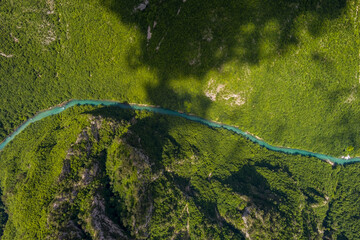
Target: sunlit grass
288, 73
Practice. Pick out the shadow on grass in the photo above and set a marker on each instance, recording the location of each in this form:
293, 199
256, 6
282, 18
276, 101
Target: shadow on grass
3, 216
247, 181
189, 38
186, 39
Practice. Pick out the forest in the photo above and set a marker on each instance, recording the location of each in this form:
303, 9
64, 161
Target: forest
107, 173
286, 71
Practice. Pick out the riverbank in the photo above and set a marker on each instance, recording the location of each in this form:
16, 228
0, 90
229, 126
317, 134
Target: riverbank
157, 109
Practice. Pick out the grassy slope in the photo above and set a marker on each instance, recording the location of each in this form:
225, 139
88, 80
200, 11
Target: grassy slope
197, 187
295, 66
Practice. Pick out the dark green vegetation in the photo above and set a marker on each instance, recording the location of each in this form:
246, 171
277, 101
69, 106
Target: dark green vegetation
287, 71
105, 173
3, 216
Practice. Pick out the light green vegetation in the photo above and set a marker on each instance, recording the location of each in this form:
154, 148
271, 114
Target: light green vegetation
287, 71
90, 172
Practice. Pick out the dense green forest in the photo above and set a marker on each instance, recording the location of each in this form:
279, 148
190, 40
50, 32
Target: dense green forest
3, 215
107, 173
287, 71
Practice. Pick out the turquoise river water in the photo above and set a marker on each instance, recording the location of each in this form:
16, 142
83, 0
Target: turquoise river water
59, 109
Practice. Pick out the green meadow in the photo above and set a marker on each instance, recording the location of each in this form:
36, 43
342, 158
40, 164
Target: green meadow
286, 71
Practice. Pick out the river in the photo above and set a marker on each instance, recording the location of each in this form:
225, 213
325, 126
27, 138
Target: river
69, 104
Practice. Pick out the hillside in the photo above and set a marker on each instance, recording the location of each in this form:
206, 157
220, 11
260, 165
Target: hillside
286, 71
106, 173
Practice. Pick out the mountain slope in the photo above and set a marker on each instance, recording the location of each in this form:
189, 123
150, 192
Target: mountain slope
287, 71
105, 173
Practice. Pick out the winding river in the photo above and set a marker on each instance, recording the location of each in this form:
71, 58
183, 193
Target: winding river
69, 104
